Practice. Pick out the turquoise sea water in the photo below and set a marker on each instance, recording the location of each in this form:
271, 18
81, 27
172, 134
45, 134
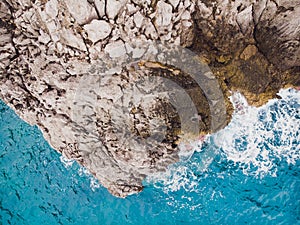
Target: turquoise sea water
252, 177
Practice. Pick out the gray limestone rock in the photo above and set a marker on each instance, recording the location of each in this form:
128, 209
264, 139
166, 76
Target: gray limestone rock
97, 30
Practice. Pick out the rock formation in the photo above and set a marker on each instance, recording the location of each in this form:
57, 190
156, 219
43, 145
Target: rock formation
253, 46
118, 84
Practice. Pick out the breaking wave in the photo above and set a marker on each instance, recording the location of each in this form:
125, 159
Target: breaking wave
258, 137
254, 142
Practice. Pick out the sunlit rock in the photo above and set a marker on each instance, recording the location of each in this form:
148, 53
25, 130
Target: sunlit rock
81, 10
97, 30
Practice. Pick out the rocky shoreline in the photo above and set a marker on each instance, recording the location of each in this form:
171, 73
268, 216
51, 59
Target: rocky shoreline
111, 84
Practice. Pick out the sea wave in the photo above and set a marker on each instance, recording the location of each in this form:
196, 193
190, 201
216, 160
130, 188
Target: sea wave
254, 142
257, 138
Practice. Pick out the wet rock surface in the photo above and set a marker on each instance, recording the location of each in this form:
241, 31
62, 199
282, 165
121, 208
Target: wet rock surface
109, 85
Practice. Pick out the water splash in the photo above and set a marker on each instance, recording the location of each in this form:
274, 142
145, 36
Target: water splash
255, 141
66, 162
94, 183
257, 138
82, 172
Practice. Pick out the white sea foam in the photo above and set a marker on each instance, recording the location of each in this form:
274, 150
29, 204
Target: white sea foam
94, 183
83, 172
66, 162
255, 140
180, 175
187, 149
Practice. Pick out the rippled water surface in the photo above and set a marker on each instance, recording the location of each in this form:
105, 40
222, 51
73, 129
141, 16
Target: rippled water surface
248, 173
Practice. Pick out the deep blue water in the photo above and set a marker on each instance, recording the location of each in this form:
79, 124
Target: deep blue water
261, 188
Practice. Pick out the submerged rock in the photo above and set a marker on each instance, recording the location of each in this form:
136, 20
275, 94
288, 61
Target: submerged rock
111, 85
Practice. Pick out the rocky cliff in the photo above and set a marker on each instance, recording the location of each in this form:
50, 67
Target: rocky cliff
118, 85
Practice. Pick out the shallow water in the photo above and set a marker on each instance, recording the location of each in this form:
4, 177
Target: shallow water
248, 173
